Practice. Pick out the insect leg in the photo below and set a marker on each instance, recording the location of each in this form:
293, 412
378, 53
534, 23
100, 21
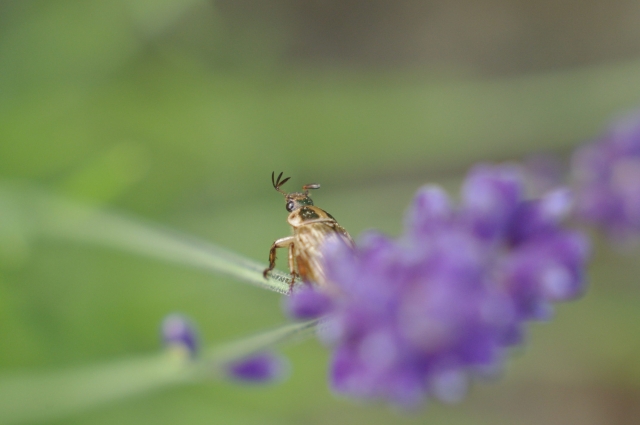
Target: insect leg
292, 264
279, 243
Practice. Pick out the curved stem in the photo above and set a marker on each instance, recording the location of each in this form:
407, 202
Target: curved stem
217, 357
56, 217
50, 395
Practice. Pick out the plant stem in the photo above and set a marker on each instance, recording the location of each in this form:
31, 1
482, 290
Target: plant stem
56, 217
41, 396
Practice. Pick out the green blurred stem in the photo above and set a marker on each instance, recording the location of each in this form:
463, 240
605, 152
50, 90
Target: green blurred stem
62, 219
52, 395
216, 357
46, 396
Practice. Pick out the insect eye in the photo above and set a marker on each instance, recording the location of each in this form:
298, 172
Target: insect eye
290, 206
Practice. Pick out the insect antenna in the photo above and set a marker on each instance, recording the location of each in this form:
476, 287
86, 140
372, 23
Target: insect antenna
306, 187
277, 182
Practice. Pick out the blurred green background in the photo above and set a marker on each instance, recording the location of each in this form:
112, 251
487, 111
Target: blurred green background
178, 112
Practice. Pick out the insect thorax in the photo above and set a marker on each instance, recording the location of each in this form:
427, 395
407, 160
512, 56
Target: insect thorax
307, 215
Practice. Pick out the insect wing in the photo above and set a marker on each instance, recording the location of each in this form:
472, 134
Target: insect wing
308, 248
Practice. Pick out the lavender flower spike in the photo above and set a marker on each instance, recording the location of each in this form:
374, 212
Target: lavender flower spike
419, 316
606, 175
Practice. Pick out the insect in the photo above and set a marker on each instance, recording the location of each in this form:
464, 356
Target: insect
311, 227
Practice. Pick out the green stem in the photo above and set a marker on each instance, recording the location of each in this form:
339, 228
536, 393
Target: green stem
45, 396
52, 395
217, 357
63, 219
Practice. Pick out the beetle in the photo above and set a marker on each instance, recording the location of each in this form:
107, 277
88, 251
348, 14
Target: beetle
311, 226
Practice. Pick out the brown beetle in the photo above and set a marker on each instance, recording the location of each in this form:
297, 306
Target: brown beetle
311, 226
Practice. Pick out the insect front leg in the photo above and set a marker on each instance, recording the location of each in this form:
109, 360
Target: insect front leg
280, 243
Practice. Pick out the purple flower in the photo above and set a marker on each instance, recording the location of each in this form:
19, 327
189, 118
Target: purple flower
490, 196
177, 331
307, 303
606, 175
421, 315
259, 368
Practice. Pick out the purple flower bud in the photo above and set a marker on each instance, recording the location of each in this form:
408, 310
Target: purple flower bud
606, 175
431, 207
541, 216
545, 270
178, 331
308, 303
258, 368
490, 197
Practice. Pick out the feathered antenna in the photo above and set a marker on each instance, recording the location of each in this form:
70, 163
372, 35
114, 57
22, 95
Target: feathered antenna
277, 183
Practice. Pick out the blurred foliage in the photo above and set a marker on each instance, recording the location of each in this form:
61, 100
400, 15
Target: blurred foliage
178, 111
